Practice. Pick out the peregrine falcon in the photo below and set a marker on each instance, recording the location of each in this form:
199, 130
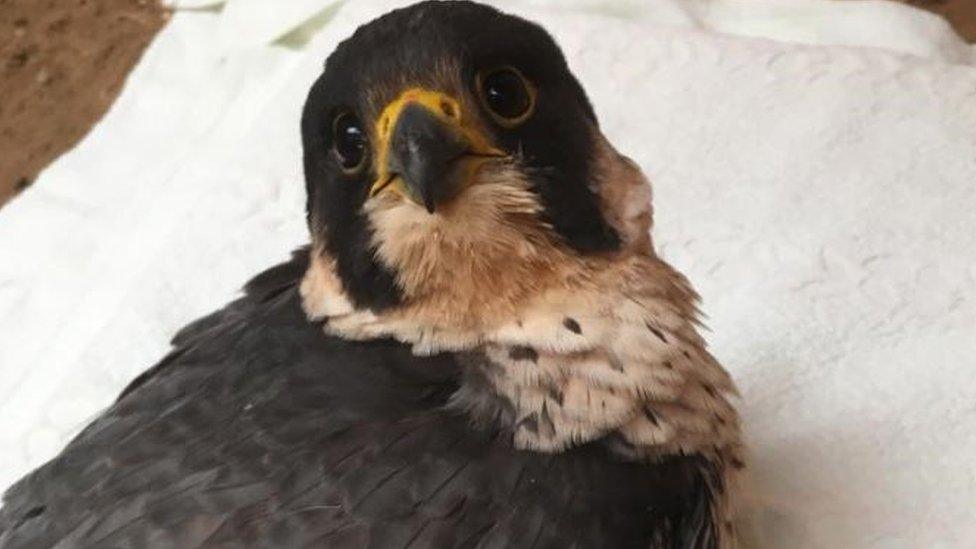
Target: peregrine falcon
479, 347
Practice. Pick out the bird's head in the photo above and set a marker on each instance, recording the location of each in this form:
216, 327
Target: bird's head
453, 160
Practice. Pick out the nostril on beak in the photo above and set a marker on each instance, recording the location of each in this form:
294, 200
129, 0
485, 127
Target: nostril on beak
449, 109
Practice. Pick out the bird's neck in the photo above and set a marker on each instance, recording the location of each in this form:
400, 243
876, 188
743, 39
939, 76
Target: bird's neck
608, 351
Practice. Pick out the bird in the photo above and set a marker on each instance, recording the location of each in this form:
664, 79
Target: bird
478, 347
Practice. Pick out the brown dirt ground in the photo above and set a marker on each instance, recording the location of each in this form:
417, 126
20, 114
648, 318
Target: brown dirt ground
63, 62
961, 13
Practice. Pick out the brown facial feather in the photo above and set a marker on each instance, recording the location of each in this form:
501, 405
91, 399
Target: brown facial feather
625, 197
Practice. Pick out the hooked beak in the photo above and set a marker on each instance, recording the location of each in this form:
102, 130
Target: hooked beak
425, 151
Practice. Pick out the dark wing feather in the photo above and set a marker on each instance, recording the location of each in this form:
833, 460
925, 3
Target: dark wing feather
259, 431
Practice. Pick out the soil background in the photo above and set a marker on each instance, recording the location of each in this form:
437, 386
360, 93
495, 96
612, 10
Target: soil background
961, 13
63, 62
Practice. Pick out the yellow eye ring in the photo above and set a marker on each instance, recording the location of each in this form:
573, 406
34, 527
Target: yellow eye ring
507, 95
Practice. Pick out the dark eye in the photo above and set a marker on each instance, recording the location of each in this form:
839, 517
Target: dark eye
349, 141
507, 95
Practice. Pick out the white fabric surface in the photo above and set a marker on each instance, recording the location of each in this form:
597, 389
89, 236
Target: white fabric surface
822, 197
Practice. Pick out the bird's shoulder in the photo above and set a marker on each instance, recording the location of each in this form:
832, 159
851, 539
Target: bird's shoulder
259, 430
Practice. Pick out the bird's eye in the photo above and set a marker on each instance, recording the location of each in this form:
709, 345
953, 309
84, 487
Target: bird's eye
349, 141
507, 95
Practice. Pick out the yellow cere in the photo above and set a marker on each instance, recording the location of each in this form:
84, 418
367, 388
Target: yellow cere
445, 108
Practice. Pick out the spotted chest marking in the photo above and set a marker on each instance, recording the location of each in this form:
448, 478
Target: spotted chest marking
668, 401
